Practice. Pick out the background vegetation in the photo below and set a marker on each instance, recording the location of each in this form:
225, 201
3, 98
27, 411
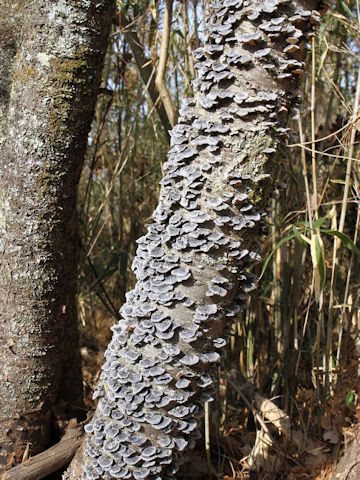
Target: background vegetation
298, 341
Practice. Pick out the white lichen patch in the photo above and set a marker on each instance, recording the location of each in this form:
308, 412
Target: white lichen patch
44, 59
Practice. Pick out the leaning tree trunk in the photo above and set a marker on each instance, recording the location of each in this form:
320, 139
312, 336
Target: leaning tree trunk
50, 68
192, 266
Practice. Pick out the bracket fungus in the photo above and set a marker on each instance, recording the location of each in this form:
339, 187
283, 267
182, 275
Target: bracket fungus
192, 266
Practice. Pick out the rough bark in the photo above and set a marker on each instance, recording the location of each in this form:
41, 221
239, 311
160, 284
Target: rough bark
50, 64
192, 266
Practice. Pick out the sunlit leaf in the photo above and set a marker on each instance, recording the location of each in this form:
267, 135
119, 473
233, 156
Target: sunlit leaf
350, 398
303, 224
299, 236
347, 10
344, 239
318, 222
341, 182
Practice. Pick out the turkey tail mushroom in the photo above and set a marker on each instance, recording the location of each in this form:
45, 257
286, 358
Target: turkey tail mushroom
192, 266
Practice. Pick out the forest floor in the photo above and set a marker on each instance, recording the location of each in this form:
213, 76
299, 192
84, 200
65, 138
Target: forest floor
246, 445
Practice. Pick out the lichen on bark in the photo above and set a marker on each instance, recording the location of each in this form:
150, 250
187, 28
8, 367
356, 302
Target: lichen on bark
50, 74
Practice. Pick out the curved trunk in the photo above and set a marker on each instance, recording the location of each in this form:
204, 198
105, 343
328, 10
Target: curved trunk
193, 264
50, 75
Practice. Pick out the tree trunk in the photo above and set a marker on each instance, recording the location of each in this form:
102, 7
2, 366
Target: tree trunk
50, 63
193, 264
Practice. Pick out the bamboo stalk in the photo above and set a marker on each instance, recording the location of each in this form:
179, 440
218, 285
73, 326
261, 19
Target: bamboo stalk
146, 71
207, 438
313, 131
350, 155
163, 58
346, 293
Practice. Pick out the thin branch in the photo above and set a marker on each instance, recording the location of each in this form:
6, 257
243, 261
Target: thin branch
145, 69
163, 57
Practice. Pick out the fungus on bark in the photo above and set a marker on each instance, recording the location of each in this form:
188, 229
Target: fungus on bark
194, 276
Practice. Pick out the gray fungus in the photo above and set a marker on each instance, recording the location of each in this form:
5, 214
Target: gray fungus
192, 266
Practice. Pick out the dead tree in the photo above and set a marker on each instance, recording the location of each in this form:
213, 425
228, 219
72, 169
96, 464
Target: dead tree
193, 264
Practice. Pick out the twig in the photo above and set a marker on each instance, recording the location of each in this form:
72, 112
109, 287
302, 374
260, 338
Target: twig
163, 57
145, 68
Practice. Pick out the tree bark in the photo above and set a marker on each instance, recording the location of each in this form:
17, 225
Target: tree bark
50, 62
192, 266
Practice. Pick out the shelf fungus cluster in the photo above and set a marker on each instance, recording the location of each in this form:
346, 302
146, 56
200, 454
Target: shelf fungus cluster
192, 266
